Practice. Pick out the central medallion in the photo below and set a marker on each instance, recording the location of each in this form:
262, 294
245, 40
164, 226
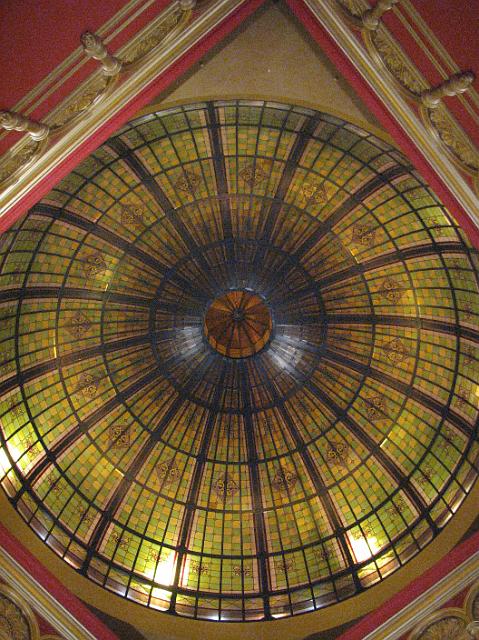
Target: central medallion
238, 324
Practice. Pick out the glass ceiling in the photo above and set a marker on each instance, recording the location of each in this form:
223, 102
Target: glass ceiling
187, 462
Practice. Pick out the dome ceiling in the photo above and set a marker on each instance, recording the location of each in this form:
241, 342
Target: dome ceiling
239, 362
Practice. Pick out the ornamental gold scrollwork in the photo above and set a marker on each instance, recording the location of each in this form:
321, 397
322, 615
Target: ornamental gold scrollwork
160, 34
452, 623
13, 162
27, 150
80, 103
471, 604
94, 90
388, 55
461, 150
444, 624
472, 631
17, 619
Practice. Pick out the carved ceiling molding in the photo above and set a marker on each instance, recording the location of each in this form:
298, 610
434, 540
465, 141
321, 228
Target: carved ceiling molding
445, 624
104, 94
90, 93
17, 619
415, 105
471, 603
17, 606
417, 615
388, 56
452, 623
391, 73
76, 60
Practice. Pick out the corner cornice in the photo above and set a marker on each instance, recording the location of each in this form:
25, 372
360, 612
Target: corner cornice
42, 601
29, 162
331, 17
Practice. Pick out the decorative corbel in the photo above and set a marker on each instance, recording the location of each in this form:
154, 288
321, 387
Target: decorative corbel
372, 17
453, 86
12, 121
472, 631
94, 48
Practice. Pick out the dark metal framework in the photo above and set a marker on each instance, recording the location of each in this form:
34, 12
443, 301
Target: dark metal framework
316, 343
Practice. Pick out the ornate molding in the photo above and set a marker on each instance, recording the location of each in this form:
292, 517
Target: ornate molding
451, 623
29, 593
453, 86
372, 16
421, 610
444, 624
460, 149
93, 91
94, 48
159, 33
395, 79
82, 101
354, 11
471, 604
388, 56
142, 59
14, 163
16, 617
12, 121
472, 631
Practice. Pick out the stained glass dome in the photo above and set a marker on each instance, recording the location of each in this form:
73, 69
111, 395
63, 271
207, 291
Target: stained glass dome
239, 362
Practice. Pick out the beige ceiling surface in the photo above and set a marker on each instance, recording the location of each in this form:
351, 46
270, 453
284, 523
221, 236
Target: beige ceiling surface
271, 57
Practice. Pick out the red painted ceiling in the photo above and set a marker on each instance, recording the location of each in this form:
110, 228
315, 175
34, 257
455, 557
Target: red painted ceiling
455, 24
38, 35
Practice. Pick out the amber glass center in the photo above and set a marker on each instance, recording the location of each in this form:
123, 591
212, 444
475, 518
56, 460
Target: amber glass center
238, 324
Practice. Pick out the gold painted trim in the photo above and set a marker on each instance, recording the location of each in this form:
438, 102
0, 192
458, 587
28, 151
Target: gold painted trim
26, 105
130, 83
389, 58
88, 95
26, 610
29, 590
472, 595
428, 602
436, 53
386, 89
431, 38
437, 616
445, 128
149, 38
14, 162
